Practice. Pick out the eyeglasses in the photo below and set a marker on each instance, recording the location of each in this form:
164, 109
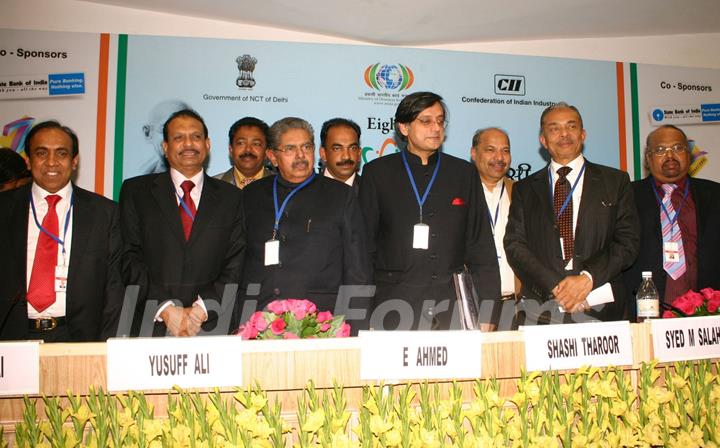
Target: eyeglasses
427, 122
660, 151
293, 150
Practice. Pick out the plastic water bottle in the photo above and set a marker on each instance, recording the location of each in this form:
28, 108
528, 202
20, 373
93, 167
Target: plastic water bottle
648, 301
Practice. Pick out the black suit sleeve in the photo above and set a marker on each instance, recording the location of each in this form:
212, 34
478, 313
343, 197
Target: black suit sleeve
114, 288
356, 261
133, 268
370, 209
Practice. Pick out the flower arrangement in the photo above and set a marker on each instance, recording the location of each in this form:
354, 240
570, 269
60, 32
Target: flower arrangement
703, 303
675, 405
293, 319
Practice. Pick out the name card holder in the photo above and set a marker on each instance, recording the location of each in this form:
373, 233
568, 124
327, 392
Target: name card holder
20, 368
571, 346
415, 355
161, 363
686, 338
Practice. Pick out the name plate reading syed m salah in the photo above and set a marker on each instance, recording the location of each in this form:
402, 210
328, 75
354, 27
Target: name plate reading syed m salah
570, 346
411, 355
20, 368
686, 338
161, 363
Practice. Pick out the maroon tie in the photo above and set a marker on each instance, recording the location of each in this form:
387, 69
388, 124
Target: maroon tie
41, 292
187, 219
564, 221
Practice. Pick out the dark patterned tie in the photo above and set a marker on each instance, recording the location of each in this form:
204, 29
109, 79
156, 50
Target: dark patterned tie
187, 219
564, 221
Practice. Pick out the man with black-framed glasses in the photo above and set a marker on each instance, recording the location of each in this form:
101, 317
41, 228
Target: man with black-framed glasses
679, 217
305, 232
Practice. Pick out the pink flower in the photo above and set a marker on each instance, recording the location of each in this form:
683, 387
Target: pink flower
324, 316
696, 299
300, 308
685, 305
344, 331
713, 302
668, 314
707, 292
247, 332
290, 335
258, 321
324, 327
277, 306
277, 326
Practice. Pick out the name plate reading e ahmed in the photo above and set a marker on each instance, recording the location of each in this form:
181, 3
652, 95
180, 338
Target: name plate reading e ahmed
686, 338
20, 368
570, 346
161, 363
396, 355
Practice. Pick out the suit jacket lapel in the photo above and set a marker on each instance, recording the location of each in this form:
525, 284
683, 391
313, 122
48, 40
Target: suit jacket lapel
83, 221
590, 200
541, 187
208, 206
20, 221
701, 209
163, 192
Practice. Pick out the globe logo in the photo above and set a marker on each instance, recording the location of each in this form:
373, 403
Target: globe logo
658, 115
389, 77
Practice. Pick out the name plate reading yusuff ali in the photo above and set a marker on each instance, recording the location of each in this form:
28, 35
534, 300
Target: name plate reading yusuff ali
686, 338
20, 368
161, 363
570, 346
397, 355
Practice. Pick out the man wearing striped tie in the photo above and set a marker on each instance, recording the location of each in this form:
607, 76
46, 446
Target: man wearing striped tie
680, 217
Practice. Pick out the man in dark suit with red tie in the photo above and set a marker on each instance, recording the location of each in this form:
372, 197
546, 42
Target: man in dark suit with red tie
183, 237
572, 228
60, 278
679, 218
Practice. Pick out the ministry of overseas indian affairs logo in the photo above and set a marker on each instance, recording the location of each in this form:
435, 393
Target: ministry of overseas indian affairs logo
389, 77
246, 67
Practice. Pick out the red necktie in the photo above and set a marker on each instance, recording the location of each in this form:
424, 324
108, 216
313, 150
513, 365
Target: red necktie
564, 221
41, 292
187, 219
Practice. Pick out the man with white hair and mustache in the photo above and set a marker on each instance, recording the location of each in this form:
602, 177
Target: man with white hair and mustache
305, 232
490, 153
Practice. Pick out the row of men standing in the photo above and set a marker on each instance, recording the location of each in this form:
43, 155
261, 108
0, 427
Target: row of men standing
420, 216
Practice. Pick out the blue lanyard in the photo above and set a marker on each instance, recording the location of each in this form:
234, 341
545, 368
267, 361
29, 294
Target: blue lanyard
279, 211
664, 209
493, 221
420, 200
569, 196
55, 238
185, 207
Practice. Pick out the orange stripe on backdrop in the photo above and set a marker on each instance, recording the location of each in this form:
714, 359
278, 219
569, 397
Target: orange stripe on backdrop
101, 113
621, 115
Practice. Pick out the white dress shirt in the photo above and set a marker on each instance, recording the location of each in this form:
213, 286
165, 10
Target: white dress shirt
57, 309
348, 182
499, 200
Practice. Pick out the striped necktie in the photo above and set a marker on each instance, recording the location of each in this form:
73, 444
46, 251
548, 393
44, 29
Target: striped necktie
671, 234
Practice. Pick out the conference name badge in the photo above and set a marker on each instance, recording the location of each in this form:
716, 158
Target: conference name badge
61, 273
272, 252
671, 251
421, 236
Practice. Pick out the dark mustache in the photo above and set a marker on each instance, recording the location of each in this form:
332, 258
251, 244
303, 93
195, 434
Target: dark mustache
346, 162
247, 155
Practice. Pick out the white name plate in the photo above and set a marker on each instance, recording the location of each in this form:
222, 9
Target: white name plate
20, 368
161, 363
396, 355
570, 346
686, 338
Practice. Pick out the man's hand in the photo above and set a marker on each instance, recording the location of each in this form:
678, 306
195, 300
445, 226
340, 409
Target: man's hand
572, 291
175, 319
196, 315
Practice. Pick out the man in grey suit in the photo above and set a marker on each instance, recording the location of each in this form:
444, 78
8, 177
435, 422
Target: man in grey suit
573, 227
248, 143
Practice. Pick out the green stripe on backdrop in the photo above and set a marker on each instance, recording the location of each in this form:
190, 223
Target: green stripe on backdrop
120, 114
637, 150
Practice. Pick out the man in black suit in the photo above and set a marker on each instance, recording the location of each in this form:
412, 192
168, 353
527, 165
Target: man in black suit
183, 238
694, 201
417, 244
573, 227
60, 280
305, 232
340, 151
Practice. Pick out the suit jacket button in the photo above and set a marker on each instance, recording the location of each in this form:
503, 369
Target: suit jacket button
276, 291
434, 276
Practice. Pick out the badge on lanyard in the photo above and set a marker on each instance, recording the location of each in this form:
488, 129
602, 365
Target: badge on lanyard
421, 234
421, 231
671, 252
61, 273
272, 252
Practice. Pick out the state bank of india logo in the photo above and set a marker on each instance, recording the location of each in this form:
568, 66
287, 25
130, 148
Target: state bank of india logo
246, 67
389, 77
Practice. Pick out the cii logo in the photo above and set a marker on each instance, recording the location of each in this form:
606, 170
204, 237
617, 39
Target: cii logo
509, 85
389, 77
